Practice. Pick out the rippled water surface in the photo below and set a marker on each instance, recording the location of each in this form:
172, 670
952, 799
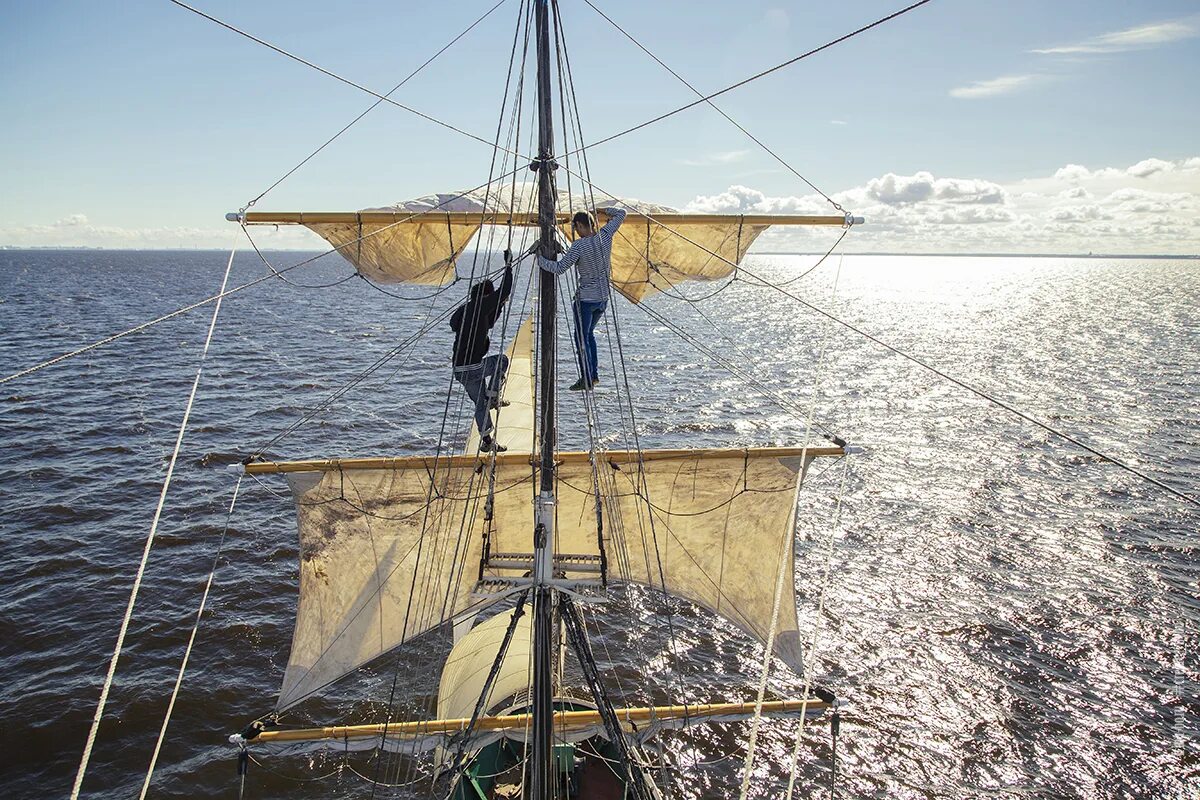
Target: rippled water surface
1009, 616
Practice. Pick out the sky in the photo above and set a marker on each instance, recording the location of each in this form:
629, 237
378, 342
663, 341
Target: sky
963, 126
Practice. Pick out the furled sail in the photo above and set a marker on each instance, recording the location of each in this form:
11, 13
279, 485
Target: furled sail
390, 548
657, 247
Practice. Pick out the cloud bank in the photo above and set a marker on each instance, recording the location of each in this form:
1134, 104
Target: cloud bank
1151, 207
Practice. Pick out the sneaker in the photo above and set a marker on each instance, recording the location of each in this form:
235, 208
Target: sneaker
579, 386
489, 445
501, 404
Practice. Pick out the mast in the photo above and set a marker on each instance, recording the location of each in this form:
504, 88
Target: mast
540, 767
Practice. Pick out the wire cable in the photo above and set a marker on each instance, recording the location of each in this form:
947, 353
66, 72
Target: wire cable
377, 103
714, 107
940, 373
756, 76
382, 98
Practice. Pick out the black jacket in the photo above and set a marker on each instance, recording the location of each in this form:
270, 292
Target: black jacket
472, 321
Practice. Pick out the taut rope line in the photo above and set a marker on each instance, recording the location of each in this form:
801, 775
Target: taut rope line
376, 104
141, 570
919, 362
756, 76
275, 273
381, 97
187, 652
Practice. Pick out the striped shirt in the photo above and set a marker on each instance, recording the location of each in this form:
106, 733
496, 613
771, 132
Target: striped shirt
593, 255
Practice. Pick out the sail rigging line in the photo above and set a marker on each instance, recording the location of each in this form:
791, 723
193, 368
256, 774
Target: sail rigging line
714, 107
271, 268
141, 570
589, 189
566, 90
992, 399
471, 508
787, 546
377, 103
758, 75
187, 652
810, 654
218, 297
522, 16
846, 230
420, 547
940, 373
577, 635
355, 381
382, 98
733, 369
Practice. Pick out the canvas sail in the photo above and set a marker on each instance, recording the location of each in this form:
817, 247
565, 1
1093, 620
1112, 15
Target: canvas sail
466, 670
409, 248
390, 548
419, 241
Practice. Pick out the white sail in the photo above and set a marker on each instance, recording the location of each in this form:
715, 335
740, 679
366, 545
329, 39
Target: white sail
471, 659
656, 248
390, 548
420, 249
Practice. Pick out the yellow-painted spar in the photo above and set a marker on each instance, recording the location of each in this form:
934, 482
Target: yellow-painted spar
616, 456
500, 218
564, 721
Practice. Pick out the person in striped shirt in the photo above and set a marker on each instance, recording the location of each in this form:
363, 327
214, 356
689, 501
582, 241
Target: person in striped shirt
591, 253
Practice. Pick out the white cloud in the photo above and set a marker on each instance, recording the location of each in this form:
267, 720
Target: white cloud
717, 159
1152, 206
1146, 168
837, 122
1005, 84
1136, 38
895, 189
1073, 172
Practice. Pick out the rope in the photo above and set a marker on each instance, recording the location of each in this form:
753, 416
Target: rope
762, 74
786, 566
162, 733
941, 374
137, 581
812, 650
225, 293
714, 107
382, 98
376, 104
271, 267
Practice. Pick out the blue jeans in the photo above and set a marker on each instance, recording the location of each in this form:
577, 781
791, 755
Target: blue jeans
587, 315
481, 380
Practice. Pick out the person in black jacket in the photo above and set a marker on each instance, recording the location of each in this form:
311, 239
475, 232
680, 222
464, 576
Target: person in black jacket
479, 373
